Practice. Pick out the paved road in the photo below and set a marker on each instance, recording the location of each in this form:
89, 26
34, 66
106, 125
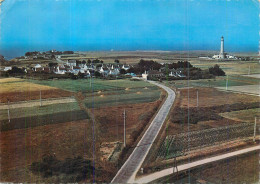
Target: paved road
128, 171
166, 172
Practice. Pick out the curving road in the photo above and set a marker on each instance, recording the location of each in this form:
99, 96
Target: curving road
128, 171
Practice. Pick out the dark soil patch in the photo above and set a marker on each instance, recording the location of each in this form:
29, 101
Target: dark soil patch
34, 121
33, 95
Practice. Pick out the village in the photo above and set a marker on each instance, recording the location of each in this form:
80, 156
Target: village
81, 68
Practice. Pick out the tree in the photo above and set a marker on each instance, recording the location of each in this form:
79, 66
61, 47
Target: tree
53, 56
116, 61
16, 70
122, 71
68, 52
78, 62
149, 65
97, 74
53, 64
72, 76
89, 61
81, 75
217, 71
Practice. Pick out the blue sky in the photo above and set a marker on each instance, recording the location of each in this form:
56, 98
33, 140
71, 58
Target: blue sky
128, 25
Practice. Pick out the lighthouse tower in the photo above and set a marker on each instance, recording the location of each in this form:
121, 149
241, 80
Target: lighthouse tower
221, 54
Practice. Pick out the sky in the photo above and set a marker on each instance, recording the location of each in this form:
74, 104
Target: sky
93, 25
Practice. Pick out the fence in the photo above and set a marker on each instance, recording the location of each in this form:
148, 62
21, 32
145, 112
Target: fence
176, 145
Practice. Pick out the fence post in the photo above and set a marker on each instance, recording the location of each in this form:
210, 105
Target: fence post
227, 83
9, 119
40, 98
124, 129
254, 130
197, 98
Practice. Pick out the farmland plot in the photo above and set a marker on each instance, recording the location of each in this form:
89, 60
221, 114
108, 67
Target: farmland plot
177, 144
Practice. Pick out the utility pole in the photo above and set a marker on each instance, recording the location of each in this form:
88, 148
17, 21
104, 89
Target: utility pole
197, 98
227, 83
254, 130
249, 70
124, 129
40, 98
8, 112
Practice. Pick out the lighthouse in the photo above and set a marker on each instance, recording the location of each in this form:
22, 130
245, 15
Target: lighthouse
221, 54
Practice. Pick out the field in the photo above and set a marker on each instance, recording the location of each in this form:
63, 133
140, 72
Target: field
234, 80
92, 85
211, 103
98, 93
11, 79
230, 67
177, 144
38, 111
121, 97
242, 169
209, 97
247, 89
14, 90
212, 112
22, 86
19, 148
66, 130
243, 115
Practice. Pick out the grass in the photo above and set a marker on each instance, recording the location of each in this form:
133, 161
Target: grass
41, 120
11, 79
87, 85
230, 67
233, 80
247, 115
7, 87
140, 96
38, 111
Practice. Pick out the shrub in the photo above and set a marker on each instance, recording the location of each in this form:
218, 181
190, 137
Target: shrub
217, 71
75, 169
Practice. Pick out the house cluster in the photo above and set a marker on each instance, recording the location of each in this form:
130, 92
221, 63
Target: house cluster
74, 67
177, 73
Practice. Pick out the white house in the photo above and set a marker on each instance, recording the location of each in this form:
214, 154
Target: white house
60, 70
145, 75
104, 70
37, 67
172, 74
114, 72
125, 67
71, 63
7, 68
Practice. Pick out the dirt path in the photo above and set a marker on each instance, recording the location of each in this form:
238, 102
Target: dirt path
35, 103
169, 171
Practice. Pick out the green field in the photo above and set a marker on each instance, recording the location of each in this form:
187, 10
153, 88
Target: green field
137, 96
38, 111
100, 92
233, 80
230, 67
89, 85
